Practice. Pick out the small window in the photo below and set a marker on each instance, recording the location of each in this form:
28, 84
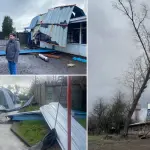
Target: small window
74, 36
83, 36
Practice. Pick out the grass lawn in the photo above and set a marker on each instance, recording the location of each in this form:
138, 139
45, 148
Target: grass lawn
30, 108
82, 122
32, 131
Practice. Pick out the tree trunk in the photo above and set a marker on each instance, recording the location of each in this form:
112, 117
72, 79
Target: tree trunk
135, 102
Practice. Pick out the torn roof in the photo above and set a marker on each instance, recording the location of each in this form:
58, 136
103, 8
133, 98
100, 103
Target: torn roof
7, 98
62, 12
55, 22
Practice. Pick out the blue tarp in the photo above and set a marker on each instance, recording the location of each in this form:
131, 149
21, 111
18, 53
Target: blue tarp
79, 59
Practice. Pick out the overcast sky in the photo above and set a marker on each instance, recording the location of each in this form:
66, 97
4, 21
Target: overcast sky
22, 11
111, 47
24, 80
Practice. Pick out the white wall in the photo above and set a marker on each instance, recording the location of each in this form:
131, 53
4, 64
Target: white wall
76, 49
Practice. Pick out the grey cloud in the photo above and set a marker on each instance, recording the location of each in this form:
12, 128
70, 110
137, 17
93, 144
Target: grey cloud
23, 11
111, 46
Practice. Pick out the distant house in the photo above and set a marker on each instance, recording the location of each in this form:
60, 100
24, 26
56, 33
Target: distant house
62, 28
47, 92
139, 128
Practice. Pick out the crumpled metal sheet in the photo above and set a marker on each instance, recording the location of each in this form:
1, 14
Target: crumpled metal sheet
57, 21
59, 15
2, 107
18, 107
33, 23
78, 133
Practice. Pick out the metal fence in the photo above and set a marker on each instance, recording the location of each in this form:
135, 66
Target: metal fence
46, 94
1, 36
22, 36
3, 42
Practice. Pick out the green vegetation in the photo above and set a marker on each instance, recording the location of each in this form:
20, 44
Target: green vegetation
7, 26
82, 122
30, 108
32, 131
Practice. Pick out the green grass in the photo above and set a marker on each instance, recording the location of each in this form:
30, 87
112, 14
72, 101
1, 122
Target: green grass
95, 138
30, 108
82, 122
32, 131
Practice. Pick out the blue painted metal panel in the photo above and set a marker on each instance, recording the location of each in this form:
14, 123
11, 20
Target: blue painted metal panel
2, 52
27, 117
78, 114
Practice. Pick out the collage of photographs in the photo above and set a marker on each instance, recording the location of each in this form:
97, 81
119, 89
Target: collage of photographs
43, 75
74, 75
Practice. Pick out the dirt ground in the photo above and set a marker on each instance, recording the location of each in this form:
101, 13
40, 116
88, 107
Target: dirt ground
30, 64
97, 143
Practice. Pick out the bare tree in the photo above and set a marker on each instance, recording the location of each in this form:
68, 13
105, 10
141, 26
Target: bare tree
99, 113
110, 117
139, 76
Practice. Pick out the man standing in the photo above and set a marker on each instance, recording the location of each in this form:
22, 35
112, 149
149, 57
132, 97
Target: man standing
12, 53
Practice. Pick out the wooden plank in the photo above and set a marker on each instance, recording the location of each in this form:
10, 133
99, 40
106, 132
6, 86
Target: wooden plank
52, 56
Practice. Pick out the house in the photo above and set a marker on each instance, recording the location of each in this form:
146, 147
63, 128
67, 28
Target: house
62, 28
55, 91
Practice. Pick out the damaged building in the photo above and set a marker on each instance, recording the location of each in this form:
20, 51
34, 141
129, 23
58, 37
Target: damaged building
8, 100
61, 28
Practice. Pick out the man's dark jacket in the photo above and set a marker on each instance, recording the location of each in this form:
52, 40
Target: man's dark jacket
12, 50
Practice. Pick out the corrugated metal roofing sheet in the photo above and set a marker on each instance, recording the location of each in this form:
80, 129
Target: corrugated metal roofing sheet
40, 18
34, 22
59, 15
78, 133
55, 23
57, 20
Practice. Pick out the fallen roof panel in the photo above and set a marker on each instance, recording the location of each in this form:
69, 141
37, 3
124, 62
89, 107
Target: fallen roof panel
78, 133
3, 109
27, 51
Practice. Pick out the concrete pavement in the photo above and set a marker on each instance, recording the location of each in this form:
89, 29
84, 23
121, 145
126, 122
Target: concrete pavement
8, 141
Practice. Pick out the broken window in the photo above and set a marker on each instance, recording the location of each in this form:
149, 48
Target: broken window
74, 36
83, 36
75, 31
83, 33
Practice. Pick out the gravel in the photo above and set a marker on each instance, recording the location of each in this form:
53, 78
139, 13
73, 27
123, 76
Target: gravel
30, 64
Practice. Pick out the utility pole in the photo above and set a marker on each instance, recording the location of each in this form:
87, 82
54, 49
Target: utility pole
69, 106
